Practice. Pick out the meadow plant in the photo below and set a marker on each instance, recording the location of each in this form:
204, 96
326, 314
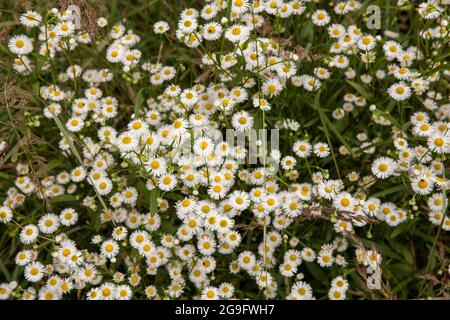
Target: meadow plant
260, 149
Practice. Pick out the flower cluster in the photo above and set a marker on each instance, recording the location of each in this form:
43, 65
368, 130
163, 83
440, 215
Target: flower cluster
151, 202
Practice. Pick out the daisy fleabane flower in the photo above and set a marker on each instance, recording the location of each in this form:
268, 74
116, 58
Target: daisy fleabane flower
399, 91
237, 33
272, 87
161, 27
6, 214
20, 45
384, 167
302, 149
242, 121
430, 9
439, 143
30, 19
321, 150
367, 43
212, 31
320, 18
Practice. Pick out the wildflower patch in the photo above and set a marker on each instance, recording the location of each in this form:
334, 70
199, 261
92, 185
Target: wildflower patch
250, 149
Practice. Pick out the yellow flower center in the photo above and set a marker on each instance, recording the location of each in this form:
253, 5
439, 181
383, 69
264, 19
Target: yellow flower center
367, 41
439, 142
154, 164
236, 31
345, 202
423, 184
20, 43
400, 90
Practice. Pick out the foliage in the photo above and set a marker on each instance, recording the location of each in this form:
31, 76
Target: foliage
92, 120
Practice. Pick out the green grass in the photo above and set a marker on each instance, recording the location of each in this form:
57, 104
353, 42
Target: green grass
410, 250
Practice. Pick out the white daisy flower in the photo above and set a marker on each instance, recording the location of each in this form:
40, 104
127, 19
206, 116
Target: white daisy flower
321, 150
127, 141
384, 167
167, 182
48, 223
6, 214
161, 27
29, 234
320, 18
34, 271
302, 149
212, 31
242, 121
109, 249
30, 19
237, 33
20, 45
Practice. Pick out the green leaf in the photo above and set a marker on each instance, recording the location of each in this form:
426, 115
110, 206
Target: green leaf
39, 56
63, 198
316, 103
53, 164
5, 271
12, 152
400, 229
154, 195
4, 175
360, 89
173, 196
35, 88
8, 23
139, 102
390, 190
68, 138
392, 119
257, 120
316, 106
139, 9
407, 255
74, 150
385, 250
42, 171
391, 105
316, 272
336, 132
310, 123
